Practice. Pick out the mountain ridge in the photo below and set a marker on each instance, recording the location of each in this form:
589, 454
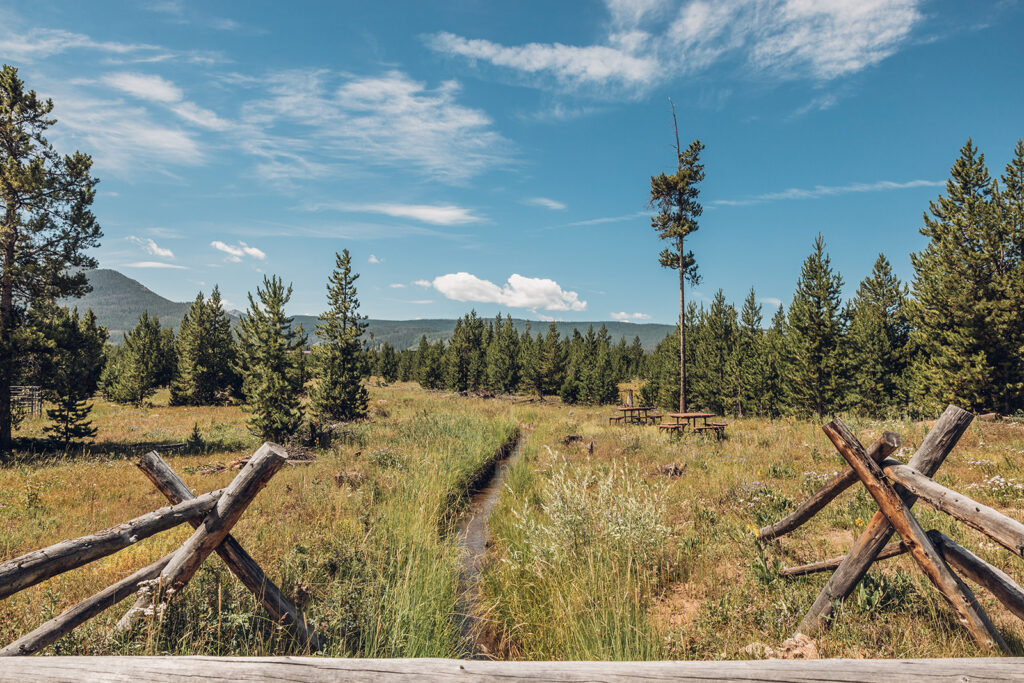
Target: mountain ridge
118, 301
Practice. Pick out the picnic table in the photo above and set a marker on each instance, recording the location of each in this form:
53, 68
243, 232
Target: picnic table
634, 415
684, 419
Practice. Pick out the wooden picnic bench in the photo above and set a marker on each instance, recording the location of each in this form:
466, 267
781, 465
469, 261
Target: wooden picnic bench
634, 415
683, 420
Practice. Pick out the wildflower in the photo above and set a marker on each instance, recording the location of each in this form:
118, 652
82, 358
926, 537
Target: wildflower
859, 522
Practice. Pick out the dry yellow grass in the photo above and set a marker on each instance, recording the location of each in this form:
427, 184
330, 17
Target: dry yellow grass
708, 591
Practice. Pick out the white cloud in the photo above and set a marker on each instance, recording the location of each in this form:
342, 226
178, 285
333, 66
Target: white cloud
436, 214
151, 247
546, 203
198, 116
423, 283
610, 219
153, 264
145, 86
518, 292
236, 252
421, 302
829, 191
373, 259
389, 120
648, 42
629, 317
771, 301
40, 43
397, 285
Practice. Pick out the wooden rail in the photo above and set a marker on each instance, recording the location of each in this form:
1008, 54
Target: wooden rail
211, 514
324, 669
895, 488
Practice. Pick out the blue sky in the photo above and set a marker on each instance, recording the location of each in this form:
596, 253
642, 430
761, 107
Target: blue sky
498, 155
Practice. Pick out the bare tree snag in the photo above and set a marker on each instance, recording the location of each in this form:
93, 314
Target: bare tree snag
71, 618
885, 446
933, 451
956, 592
241, 564
1005, 531
39, 565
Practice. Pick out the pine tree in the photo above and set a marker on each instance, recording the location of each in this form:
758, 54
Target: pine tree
751, 358
167, 357
387, 363
268, 350
339, 393
776, 366
552, 361
815, 331
70, 370
131, 375
529, 361
675, 197
503, 369
877, 343
716, 372
1011, 282
962, 329
429, 364
46, 225
205, 353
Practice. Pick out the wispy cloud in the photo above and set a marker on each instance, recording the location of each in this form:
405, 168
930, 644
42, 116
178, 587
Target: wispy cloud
518, 292
423, 283
153, 264
648, 42
546, 203
373, 259
819, 191
610, 219
41, 43
435, 214
145, 86
151, 247
629, 317
771, 301
237, 251
397, 285
385, 121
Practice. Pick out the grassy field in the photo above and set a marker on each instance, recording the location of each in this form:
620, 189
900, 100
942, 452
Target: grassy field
595, 552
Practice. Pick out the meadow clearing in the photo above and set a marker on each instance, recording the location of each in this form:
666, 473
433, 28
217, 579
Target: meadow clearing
595, 552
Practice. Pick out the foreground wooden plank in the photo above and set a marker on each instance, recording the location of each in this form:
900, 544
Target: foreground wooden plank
29, 569
957, 594
881, 449
241, 564
225, 669
933, 451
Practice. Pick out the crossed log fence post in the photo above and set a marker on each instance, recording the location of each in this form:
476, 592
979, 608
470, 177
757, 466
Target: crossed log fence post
212, 515
895, 488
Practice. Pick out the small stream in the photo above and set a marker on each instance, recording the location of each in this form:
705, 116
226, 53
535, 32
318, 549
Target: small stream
472, 533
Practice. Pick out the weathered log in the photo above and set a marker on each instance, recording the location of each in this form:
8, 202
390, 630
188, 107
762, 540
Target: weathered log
325, 669
980, 572
885, 446
217, 524
957, 593
29, 569
241, 564
1005, 531
892, 550
71, 618
933, 451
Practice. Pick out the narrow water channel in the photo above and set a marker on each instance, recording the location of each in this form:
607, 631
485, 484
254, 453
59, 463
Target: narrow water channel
472, 534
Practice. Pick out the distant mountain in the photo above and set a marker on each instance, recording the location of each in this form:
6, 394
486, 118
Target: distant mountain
118, 301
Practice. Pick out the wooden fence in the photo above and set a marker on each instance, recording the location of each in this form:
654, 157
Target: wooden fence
895, 488
211, 514
26, 401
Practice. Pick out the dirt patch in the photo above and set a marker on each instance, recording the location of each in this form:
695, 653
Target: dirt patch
678, 607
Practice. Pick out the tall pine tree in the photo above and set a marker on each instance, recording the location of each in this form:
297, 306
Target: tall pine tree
268, 361
132, 373
205, 351
338, 393
675, 197
815, 331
